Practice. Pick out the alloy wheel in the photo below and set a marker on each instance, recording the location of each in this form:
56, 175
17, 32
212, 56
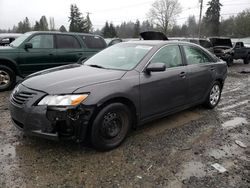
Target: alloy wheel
4, 78
215, 95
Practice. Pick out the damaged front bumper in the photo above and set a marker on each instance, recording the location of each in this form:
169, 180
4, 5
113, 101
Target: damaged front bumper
48, 122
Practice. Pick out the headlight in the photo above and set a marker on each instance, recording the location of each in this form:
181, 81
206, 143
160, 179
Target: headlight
63, 100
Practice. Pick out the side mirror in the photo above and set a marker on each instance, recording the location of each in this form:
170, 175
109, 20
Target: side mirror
28, 45
156, 67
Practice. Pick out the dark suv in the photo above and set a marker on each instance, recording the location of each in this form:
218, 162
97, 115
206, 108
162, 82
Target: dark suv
35, 51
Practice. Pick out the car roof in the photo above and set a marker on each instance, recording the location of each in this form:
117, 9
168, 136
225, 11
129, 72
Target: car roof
65, 33
159, 42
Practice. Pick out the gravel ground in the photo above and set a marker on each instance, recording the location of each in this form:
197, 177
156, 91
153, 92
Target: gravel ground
176, 151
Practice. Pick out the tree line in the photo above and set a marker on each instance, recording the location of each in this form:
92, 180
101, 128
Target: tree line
168, 10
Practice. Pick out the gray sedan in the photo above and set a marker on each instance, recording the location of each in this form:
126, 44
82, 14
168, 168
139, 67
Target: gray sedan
120, 88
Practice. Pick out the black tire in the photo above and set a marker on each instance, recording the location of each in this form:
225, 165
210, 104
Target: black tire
209, 102
7, 78
229, 60
111, 126
247, 59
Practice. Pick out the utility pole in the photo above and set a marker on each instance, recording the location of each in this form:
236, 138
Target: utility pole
201, 5
88, 13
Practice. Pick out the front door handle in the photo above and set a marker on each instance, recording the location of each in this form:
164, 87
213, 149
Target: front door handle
182, 75
212, 68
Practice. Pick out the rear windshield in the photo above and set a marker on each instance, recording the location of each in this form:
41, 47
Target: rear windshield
95, 42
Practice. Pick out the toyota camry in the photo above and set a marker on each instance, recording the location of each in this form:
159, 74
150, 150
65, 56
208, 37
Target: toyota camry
120, 88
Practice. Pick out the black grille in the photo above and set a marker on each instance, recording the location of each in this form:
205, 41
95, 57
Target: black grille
20, 98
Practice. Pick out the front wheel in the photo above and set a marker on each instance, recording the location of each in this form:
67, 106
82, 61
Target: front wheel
7, 78
111, 126
229, 60
214, 95
247, 59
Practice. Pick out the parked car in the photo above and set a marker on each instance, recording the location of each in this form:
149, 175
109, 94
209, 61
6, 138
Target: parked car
112, 41
121, 87
220, 44
35, 51
239, 51
205, 43
7, 38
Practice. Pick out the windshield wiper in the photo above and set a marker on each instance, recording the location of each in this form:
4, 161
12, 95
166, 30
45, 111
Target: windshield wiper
97, 66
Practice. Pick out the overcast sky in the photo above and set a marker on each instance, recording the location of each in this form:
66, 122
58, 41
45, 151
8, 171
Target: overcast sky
13, 11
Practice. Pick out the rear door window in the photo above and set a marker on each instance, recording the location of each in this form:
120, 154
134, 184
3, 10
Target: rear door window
67, 42
94, 42
195, 55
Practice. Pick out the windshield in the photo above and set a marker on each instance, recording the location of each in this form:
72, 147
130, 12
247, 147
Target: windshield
20, 40
122, 56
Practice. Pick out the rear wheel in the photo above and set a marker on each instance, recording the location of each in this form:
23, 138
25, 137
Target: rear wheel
214, 95
111, 126
7, 78
247, 59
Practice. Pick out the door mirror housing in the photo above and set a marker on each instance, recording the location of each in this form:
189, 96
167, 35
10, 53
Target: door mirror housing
156, 67
28, 45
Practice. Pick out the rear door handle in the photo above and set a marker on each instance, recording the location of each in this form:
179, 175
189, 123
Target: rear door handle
182, 75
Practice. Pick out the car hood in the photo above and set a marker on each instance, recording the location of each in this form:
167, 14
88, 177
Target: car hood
153, 35
221, 42
67, 79
7, 49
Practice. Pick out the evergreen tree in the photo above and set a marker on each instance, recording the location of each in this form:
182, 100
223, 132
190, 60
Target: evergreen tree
192, 26
106, 30
23, 26
212, 17
37, 26
62, 29
112, 31
137, 29
242, 26
77, 22
26, 25
88, 28
43, 24
19, 27
146, 26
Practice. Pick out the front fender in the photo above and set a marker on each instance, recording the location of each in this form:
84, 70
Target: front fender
10, 63
127, 87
